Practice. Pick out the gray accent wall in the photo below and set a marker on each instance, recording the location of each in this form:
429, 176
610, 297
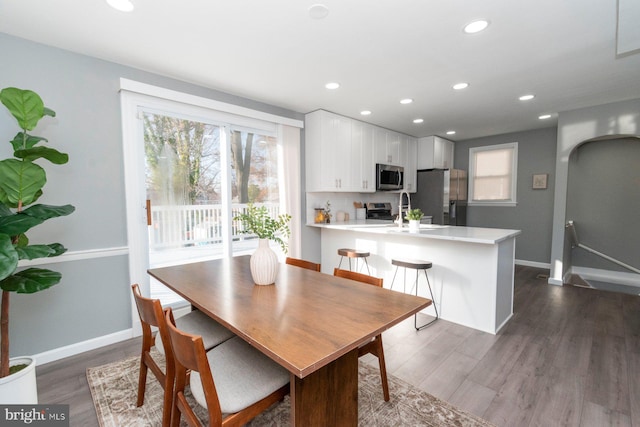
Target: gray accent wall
534, 211
93, 298
603, 200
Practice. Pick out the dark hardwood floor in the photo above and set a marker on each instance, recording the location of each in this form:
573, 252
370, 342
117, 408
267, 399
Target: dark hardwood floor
570, 356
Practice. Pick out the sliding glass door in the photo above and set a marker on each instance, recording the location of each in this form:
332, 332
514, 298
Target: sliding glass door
198, 176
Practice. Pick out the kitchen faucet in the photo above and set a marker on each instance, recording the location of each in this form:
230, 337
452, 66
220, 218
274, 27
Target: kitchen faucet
400, 206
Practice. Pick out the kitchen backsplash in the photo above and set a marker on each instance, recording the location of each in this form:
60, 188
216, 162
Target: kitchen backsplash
344, 202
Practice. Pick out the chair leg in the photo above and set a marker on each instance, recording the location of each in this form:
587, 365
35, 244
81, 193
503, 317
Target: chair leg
169, 380
142, 381
340, 263
415, 317
383, 369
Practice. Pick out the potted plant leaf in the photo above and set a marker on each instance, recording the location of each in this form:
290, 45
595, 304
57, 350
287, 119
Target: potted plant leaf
264, 262
414, 216
21, 183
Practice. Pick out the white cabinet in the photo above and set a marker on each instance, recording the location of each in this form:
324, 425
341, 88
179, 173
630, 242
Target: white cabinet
387, 146
363, 168
338, 154
435, 153
410, 164
341, 154
328, 151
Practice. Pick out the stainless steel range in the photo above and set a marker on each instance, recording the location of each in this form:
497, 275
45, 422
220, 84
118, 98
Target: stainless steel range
377, 210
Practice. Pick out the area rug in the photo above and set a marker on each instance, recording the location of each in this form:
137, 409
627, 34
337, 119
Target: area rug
114, 389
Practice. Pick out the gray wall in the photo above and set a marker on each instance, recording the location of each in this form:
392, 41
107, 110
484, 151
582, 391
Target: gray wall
93, 298
603, 199
534, 211
575, 127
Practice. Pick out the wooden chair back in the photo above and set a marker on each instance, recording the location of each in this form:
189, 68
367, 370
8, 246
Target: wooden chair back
359, 277
303, 263
190, 355
152, 314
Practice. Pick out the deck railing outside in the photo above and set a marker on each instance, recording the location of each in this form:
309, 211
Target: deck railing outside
195, 225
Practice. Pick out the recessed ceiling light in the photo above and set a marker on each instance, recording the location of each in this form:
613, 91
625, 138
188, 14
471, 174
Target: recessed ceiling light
365, 112
476, 26
526, 97
459, 86
451, 132
406, 101
318, 11
332, 85
417, 121
121, 5
544, 116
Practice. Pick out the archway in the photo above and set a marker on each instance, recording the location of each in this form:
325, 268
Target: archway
603, 202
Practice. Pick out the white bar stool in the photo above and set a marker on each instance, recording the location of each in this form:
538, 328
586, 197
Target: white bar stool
416, 265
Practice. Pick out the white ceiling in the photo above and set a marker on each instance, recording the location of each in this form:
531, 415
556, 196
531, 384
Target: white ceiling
380, 51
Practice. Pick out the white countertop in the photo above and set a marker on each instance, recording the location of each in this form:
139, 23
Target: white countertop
426, 231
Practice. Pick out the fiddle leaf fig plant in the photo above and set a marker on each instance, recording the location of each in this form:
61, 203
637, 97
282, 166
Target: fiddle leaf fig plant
21, 183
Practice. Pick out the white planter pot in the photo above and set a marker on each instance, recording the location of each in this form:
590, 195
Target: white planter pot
414, 224
21, 387
264, 264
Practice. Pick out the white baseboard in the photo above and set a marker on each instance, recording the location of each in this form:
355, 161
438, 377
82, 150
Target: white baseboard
536, 264
92, 344
608, 276
81, 347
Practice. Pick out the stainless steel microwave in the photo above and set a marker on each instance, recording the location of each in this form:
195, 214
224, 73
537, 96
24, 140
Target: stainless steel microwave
389, 177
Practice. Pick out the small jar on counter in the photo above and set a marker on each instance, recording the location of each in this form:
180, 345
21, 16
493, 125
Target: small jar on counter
319, 217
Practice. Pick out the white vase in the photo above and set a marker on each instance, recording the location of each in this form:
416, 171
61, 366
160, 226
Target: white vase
21, 387
414, 224
264, 264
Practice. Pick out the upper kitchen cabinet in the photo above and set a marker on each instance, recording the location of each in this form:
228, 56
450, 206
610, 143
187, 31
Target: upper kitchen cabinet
387, 147
339, 154
363, 170
435, 153
410, 164
328, 151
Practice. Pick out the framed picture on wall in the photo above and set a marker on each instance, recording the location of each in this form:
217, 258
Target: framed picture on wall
540, 181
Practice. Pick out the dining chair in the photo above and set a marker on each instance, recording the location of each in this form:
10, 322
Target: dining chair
375, 345
233, 381
303, 263
152, 315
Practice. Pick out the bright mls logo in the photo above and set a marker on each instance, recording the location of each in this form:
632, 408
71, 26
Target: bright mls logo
34, 415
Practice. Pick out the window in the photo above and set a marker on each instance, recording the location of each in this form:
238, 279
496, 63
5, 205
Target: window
493, 172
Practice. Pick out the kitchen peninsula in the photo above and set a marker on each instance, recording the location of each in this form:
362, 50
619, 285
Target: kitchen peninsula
472, 273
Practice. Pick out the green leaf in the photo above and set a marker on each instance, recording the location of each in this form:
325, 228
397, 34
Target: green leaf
21, 180
8, 257
31, 280
25, 105
31, 154
48, 112
57, 248
18, 223
44, 212
4, 210
23, 241
34, 251
23, 140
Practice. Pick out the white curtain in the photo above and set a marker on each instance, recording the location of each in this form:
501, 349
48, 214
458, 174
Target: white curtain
290, 202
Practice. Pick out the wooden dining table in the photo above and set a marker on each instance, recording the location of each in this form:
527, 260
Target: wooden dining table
310, 323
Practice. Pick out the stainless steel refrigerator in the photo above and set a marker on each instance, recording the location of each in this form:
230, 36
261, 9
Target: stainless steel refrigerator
442, 194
